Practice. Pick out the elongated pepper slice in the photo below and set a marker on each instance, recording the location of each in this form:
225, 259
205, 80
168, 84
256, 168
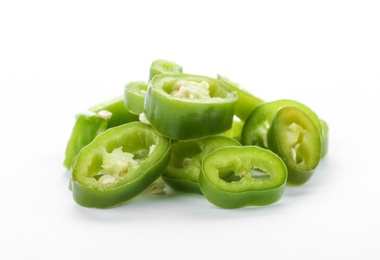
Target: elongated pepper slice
325, 138
235, 130
120, 115
183, 170
246, 102
234, 177
87, 126
96, 120
295, 137
185, 106
163, 66
118, 165
134, 96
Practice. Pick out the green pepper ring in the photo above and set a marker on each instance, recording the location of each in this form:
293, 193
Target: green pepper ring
185, 119
247, 191
136, 138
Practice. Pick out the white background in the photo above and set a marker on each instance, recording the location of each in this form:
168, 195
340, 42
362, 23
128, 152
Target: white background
58, 58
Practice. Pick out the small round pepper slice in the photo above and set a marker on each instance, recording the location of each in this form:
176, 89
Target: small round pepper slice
294, 136
184, 167
185, 106
120, 115
255, 129
234, 177
163, 66
134, 96
118, 165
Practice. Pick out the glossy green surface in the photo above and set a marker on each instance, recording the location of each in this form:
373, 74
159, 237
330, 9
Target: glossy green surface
189, 118
295, 137
151, 153
246, 102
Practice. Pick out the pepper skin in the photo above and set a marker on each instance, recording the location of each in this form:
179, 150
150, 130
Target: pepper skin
185, 106
183, 170
118, 165
235, 177
294, 136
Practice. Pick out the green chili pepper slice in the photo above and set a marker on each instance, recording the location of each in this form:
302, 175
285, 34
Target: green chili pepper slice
295, 137
185, 106
182, 172
256, 126
134, 95
163, 66
87, 126
119, 164
235, 130
120, 114
325, 138
93, 122
234, 177
246, 102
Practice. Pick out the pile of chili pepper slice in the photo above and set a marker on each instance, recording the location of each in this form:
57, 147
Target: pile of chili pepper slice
195, 134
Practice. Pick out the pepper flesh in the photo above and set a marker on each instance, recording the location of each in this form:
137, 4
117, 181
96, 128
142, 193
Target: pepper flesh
295, 137
185, 106
229, 177
184, 167
129, 158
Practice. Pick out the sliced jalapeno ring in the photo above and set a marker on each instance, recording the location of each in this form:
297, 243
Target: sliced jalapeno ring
256, 127
163, 66
120, 115
183, 170
93, 122
234, 177
185, 106
134, 95
246, 102
118, 165
235, 130
295, 137
87, 126
325, 138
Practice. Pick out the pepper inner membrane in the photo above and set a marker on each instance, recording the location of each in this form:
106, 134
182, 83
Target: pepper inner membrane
254, 172
112, 163
194, 90
295, 136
